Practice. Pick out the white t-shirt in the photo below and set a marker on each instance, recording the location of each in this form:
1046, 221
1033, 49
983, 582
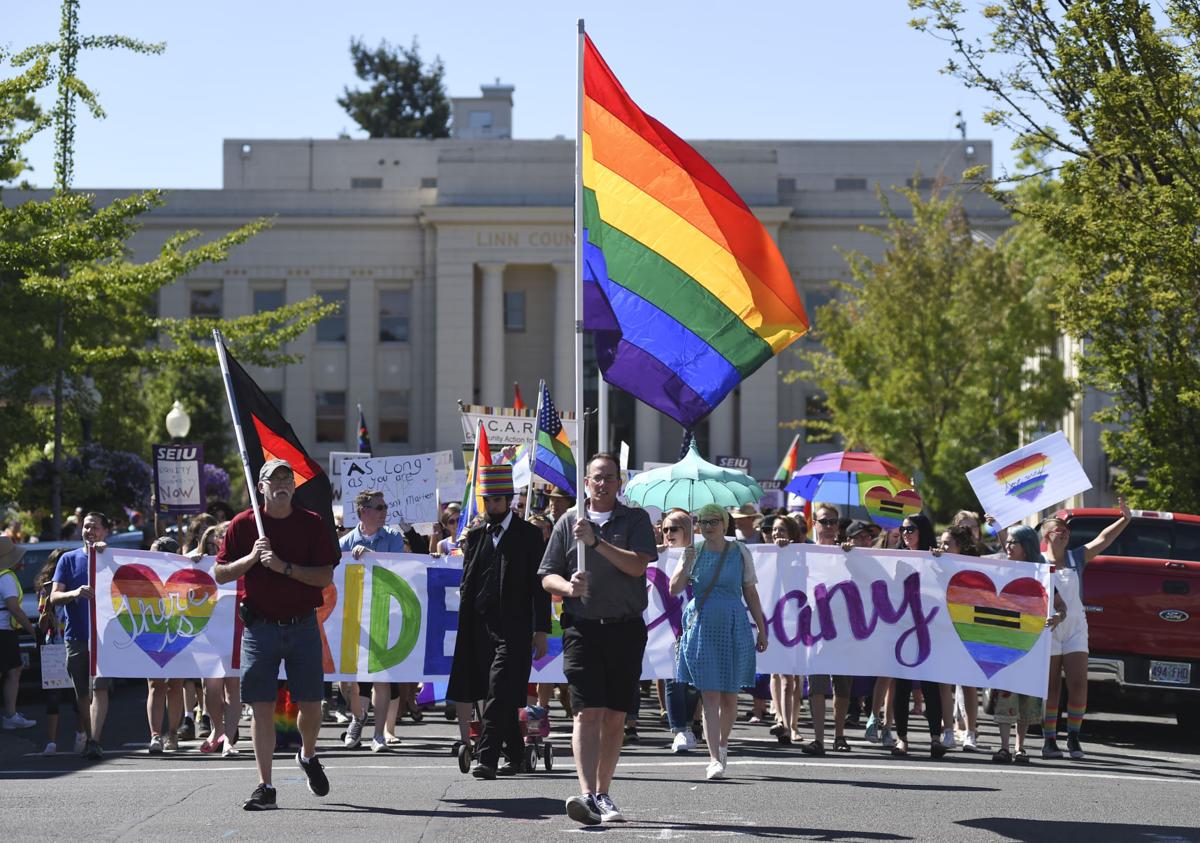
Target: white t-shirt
599, 518
8, 588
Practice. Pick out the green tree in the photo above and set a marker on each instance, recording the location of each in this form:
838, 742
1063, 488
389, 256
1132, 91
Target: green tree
929, 358
1109, 89
84, 321
406, 98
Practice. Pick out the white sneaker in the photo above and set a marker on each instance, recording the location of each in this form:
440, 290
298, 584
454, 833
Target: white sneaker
969, 743
684, 741
714, 770
18, 721
379, 744
353, 733
948, 739
51, 749
228, 750
80, 742
156, 745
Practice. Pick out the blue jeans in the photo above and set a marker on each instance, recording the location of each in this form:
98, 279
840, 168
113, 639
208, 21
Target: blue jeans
297, 646
681, 705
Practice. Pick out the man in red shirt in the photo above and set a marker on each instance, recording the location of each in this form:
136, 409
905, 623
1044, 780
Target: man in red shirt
284, 573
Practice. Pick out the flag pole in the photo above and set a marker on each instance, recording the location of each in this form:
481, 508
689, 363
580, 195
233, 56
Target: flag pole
219, 342
530, 457
580, 458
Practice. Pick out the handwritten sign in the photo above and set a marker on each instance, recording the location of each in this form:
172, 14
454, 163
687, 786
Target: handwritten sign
335, 472
409, 485
1029, 479
179, 479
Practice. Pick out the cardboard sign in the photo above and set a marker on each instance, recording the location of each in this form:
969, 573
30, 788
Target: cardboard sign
409, 485
179, 479
335, 472
1029, 479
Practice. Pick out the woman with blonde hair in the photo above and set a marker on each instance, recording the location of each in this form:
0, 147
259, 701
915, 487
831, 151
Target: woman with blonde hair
716, 650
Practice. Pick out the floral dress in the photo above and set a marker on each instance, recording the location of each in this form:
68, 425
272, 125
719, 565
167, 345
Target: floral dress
716, 650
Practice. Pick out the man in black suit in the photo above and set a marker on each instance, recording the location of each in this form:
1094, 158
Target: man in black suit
504, 616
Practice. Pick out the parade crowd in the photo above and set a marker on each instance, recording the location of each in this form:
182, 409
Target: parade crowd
511, 568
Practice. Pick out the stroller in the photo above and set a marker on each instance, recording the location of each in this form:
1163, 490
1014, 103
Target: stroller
535, 728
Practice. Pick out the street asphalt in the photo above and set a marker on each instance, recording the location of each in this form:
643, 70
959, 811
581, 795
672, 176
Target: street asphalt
1140, 782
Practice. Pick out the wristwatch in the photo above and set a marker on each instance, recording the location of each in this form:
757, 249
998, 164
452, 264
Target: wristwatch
594, 543
287, 569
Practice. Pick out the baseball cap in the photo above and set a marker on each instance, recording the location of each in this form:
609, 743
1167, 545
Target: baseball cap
855, 527
269, 468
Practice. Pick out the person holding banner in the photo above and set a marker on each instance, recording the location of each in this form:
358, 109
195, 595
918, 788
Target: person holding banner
12, 618
503, 622
283, 571
827, 523
604, 632
716, 651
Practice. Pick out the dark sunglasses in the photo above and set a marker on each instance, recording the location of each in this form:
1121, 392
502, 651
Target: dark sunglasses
672, 529
908, 528
827, 522
378, 507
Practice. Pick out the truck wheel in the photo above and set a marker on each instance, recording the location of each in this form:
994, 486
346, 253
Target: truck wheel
1189, 722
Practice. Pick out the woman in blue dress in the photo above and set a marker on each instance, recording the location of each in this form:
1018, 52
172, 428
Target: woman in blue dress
716, 650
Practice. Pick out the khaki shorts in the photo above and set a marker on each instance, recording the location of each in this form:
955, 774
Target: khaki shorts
827, 685
79, 668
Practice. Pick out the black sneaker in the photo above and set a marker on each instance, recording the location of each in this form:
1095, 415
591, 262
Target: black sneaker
483, 771
262, 799
204, 727
508, 768
583, 809
1073, 746
318, 783
186, 730
93, 752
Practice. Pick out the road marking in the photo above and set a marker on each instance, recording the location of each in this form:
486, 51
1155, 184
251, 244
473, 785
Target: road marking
955, 769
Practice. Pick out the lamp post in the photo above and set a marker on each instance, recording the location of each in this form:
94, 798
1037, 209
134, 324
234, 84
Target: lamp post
178, 421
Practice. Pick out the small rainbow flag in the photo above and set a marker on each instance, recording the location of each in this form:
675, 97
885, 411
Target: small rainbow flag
1024, 478
685, 289
472, 504
997, 629
791, 460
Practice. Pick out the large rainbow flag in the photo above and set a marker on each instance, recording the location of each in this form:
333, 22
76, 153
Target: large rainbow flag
684, 287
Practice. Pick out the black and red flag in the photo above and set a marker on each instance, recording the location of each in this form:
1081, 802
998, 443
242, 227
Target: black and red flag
269, 437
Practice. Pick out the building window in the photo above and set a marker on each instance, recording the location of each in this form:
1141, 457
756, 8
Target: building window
333, 328
816, 410
479, 120
514, 311
206, 302
331, 416
849, 184
268, 299
276, 398
394, 309
367, 183
393, 416
920, 184
428, 183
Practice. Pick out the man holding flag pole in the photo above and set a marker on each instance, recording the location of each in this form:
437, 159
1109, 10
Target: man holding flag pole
285, 555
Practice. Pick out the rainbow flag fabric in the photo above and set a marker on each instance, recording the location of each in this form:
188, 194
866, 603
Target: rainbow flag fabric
791, 461
472, 503
553, 459
685, 289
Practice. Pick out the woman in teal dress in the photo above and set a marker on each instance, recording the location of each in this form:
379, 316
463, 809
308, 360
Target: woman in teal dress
716, 650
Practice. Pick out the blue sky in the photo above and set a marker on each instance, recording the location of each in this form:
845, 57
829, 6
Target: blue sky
805, 69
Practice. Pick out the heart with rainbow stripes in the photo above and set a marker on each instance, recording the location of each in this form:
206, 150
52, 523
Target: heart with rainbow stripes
888, 509
162, 618
996, 628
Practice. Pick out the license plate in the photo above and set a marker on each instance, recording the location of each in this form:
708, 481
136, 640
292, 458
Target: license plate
1171, 673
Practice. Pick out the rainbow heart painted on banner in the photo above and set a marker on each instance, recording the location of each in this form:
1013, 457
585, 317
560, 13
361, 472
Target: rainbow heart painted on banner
996, 629
162, 618
888, 509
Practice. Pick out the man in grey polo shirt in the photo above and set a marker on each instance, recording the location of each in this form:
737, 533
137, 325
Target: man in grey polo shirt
604, 634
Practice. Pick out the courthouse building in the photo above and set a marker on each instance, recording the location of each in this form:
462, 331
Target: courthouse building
452, 260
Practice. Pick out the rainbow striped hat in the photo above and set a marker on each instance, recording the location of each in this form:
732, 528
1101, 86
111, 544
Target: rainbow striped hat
495, 480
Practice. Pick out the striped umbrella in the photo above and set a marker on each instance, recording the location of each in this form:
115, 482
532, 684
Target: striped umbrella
858, 478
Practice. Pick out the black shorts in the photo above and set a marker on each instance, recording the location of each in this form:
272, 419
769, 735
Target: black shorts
10, 650
603, 663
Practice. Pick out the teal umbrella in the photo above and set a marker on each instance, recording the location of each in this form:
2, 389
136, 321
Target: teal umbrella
691, 483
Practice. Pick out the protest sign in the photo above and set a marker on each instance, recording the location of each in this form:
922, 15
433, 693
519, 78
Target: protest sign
1029, 479
505, 426
335, 472
53, 659
179, 479
740, 463
409, 485
392, 617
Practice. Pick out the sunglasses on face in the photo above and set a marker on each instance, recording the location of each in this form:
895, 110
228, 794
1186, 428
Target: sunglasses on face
378, 507
827, 522
709, 522
908, 528
673, 528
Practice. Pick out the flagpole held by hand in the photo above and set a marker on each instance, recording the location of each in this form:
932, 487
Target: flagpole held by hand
219, 342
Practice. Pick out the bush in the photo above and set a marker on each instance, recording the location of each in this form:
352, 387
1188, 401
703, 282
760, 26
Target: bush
95, 479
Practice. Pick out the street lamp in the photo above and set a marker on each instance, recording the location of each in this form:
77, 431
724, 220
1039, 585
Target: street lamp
178, 421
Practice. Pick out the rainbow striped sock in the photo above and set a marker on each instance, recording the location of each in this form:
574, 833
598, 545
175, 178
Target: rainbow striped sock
1075, 718
1050, 725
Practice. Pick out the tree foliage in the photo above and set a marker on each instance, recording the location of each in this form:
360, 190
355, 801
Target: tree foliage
404, 98
1111, 90
929, 356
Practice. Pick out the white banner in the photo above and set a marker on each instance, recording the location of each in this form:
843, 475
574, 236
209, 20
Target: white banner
1029, 479
503, 429
392, 617
409, 485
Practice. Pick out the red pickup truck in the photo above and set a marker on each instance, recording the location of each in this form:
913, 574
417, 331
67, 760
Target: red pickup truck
1142, 598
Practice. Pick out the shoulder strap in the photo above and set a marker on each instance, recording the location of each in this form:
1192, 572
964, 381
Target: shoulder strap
716, 575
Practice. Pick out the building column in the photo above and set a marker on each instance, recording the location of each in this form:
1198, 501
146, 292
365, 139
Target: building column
454, 343
564, 336
760, 419
298, 382
647, 434
491, 335
720, 429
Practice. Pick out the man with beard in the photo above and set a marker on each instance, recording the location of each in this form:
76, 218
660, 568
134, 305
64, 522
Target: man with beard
503, 620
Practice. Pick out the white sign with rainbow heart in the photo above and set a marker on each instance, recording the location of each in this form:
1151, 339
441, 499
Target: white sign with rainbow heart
1029, 479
